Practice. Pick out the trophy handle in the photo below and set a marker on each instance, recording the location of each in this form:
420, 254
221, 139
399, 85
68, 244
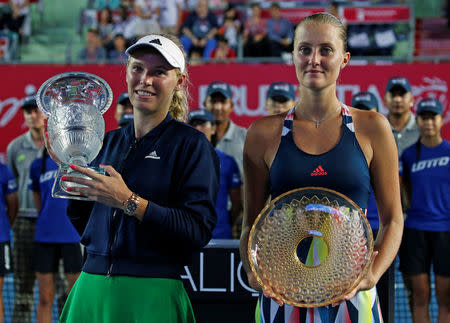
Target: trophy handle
48, 145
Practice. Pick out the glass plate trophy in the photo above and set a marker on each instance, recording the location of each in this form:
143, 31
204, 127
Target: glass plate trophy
310, 246
74, 103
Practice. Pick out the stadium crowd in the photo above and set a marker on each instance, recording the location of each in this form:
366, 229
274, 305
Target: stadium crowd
210, 30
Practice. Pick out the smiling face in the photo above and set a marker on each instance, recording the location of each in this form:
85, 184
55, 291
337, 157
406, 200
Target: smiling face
430, 124
151, 82
319, 55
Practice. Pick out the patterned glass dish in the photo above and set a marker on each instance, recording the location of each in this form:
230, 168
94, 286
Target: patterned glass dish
310, 246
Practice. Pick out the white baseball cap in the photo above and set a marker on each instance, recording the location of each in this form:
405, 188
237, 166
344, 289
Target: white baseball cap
168, 49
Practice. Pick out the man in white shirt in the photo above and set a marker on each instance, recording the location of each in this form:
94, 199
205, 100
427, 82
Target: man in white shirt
170, 17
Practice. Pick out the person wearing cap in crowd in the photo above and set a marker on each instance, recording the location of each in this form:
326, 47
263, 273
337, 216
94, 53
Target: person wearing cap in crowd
425, 173
55, 238
365, 101
230, 178
280, 97
385, 286
9, 205
155, 207
399, 100
123, 106
20, 153
229, 137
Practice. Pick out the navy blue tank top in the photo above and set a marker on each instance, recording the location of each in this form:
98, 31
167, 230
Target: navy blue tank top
343, 168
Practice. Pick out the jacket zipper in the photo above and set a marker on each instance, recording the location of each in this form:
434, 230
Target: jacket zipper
111, 264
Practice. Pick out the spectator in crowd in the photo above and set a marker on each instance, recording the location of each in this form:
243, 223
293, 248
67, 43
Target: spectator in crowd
399, 100
123, 106
171, 15
14, 18
230, 179
229, 137
254, 39
125, 25
279, 32
55, 237
335, 9
158, 200
9, 205
147, 16
111, 4
355, 146
93, 52
19, 155
280, 97
196, 56
117, 53
222, 52
105, 27
385, 287
426, 239
199, 30
230, 26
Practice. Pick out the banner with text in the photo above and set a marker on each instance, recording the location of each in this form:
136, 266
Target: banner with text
249, 83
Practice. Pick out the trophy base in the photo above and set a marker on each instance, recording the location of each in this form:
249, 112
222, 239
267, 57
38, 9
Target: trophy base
60, 187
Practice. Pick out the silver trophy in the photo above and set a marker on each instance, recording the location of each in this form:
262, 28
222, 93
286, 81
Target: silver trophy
74, 103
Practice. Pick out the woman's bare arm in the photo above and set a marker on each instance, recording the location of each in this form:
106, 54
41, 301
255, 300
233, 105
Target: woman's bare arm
260, 142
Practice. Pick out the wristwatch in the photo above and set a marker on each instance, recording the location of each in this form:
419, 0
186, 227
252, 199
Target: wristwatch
131, 205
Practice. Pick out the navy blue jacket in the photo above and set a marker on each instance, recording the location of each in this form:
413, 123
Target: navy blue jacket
176, 169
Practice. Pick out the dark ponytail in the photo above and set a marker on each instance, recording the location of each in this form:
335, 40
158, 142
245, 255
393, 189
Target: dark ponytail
418, 149
44, 157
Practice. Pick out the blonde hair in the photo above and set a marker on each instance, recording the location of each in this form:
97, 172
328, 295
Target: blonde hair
179, 106
327, 19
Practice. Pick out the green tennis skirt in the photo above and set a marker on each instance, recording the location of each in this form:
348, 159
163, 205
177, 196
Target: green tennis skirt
119, 299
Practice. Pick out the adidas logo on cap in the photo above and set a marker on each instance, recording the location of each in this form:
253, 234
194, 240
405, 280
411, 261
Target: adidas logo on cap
155, 41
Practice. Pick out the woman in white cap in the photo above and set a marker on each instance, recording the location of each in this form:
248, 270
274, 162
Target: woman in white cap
155, 207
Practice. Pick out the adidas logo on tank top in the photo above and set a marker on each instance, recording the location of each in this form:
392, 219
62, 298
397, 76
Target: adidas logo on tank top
319, 171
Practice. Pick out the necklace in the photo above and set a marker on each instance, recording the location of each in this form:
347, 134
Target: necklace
326, 117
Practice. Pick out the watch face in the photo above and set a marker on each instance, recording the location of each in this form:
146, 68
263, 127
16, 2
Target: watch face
131, 208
